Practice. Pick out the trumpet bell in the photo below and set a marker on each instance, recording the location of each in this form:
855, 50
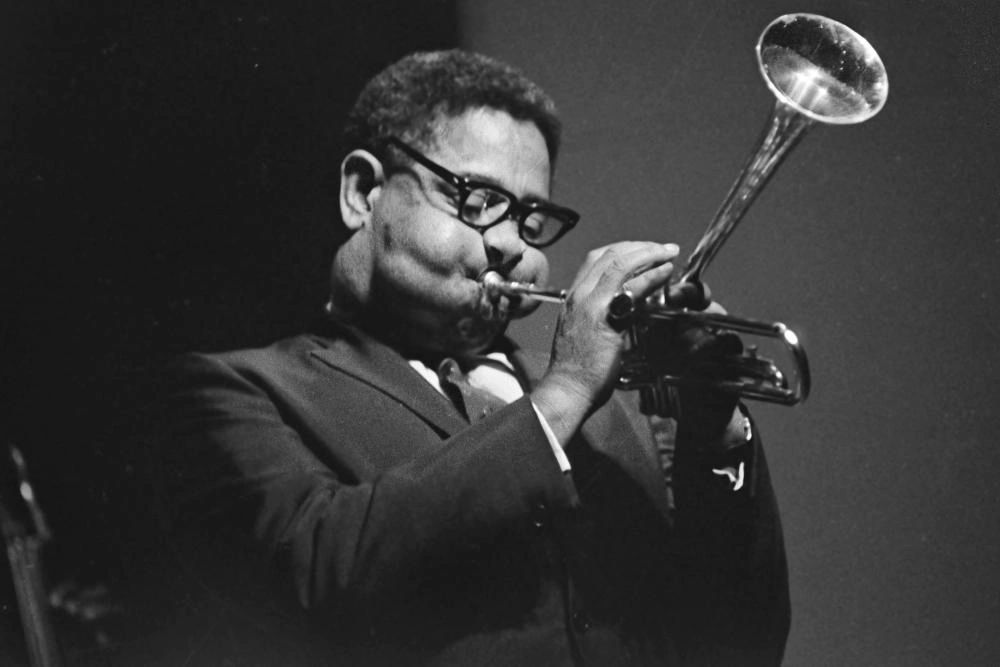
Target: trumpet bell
819, 70
822, 69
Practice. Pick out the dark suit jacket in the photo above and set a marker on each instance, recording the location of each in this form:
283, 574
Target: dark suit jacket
328, 506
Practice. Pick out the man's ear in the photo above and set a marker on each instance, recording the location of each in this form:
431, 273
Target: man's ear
361, 179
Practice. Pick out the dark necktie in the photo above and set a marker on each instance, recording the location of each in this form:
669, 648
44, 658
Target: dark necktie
475, 403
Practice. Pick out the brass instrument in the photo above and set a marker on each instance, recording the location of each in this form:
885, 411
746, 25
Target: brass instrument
820, 71
25, 532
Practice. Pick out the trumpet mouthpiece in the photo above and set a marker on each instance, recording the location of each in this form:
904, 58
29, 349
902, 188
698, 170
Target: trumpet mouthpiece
495, 286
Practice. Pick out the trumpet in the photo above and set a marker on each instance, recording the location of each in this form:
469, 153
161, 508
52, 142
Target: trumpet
819, 71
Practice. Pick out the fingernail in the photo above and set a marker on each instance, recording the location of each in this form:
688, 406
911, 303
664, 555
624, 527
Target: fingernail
671, 247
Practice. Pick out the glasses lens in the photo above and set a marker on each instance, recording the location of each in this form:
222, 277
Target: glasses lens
543, 227
484, 206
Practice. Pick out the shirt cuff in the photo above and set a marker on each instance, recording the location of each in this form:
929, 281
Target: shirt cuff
736, 473
558, 451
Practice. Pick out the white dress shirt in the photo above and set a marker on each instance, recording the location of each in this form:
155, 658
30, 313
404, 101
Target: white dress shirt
502, 384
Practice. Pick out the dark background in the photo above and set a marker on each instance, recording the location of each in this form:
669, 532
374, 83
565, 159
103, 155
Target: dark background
169, 179
170, 172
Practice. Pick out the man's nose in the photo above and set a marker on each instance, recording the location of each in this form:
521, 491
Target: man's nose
503, 244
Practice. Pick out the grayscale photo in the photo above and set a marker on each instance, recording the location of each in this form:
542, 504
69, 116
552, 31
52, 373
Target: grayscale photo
455, 333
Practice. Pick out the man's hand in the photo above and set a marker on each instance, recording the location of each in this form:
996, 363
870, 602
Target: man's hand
706, 416
586, 350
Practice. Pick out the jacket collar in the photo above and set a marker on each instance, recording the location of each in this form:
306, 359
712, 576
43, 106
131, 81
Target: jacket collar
355, 353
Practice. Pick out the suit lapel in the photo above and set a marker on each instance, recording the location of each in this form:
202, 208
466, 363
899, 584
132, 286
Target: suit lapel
385, 370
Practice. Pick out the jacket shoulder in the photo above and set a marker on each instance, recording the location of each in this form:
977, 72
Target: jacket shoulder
279, 358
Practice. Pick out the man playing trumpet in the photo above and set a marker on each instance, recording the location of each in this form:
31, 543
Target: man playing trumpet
404, 486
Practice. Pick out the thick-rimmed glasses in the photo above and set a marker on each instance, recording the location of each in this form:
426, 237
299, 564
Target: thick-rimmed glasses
482, 205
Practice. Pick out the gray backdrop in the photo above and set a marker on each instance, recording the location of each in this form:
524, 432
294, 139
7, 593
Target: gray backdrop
878, 242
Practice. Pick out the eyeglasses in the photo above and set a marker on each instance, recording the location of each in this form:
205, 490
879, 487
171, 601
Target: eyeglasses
481, 205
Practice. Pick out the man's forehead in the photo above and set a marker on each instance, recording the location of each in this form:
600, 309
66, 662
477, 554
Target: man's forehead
481, 133
483, 124
490, 143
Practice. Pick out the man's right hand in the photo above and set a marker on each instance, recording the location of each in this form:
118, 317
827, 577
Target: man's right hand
586, 350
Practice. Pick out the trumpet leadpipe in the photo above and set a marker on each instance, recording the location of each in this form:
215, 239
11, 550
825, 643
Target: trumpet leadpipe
495, 287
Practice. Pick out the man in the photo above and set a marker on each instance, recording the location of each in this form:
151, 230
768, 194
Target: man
350, 496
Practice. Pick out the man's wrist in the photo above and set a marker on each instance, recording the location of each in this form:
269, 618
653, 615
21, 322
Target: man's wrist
563, 406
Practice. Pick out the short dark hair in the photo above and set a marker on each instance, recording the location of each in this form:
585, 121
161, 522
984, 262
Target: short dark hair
406, 98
